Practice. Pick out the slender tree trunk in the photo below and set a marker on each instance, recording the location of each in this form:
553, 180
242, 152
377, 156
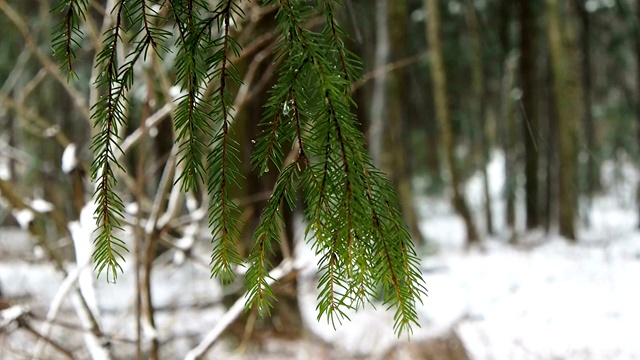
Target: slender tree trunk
550, 132
478, 110
568, 93
507, 131
510, 148
381, 57
444, 117
528, 70
638, 96
593, 173
503, 27
394, 159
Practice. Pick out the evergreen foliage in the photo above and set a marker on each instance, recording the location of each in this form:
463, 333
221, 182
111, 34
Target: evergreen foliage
354, 223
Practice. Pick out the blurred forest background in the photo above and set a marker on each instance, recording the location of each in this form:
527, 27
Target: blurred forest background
552, 86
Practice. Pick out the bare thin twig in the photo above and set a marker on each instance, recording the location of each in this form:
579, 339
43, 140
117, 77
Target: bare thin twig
286, 267
388, 68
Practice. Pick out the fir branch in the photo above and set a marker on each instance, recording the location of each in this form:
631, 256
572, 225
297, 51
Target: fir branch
191, 120
335, 265
108, 115
67, 33
281, 104
267, 233
398, 274
354, 220
350, 65
334, 205
141, 14
223, 165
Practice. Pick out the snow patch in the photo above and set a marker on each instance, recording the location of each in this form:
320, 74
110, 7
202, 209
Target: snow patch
41, 206
24, 217
69, 158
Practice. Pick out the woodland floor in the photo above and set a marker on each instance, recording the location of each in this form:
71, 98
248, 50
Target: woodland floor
541, 299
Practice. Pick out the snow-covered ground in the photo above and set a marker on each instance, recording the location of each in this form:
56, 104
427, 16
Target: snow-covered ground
546, 300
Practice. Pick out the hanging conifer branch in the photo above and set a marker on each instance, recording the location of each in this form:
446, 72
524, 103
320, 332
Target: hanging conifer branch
191, 120
67, 34
354, 224
223, 160
108, 116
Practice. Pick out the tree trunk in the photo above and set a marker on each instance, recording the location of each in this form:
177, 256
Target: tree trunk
569, 108
638, 96
550, 132
444, 117
478, 110
528, 70
593, 171
381, 57
510, 142
394, 158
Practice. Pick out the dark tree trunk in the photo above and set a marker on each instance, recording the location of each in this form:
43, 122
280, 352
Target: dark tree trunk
638, 97
510, 136
478, 113
528, 70
550, 131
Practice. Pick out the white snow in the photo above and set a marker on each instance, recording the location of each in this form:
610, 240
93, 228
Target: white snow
131, 208
24, 217
176, 92
5, 173
549, 300
69, 158
546, 299
82, 236
41, 206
